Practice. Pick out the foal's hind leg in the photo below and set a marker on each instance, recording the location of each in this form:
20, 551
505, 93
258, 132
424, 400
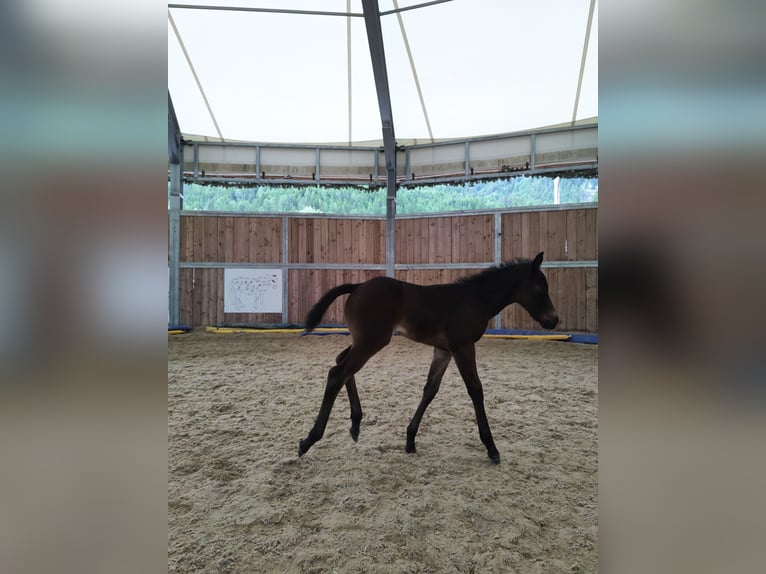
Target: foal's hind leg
339, 375
436, 372
353, 398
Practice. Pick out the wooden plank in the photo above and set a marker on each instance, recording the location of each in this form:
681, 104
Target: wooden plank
419, 234
483, 249
580, 231
258, 234
241, 239
202, 293
488, 237
401, 243
292, 241
506, 236
187, 239
316, 240
348, 241
358, 241
212, 296
570, 239
432, 241
215, 305
295, 283
524, 247
370, 241
312, 243
438, 248
581, 319
272, 240
226, 230
380, 242
517, 247
466, 252
331, 242
374, 242
419, 228
591, 300
198, 238
186, 315
323, 253
565, 295
302, 243
210, 252
427, 254
591, 236
559, 236
196, 298
542, 236
536, 245
452, 239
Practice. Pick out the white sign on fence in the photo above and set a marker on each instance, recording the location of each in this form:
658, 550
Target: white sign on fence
252, 291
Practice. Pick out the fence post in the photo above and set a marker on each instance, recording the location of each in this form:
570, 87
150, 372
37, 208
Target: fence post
498, 256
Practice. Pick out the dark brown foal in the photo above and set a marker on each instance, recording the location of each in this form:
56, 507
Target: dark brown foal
450, 318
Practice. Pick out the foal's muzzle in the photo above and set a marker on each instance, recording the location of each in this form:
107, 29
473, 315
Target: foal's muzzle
549, 320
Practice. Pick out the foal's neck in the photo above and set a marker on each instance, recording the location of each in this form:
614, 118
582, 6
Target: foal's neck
498, 291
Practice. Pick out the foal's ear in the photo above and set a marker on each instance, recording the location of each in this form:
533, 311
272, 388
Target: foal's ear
537, 260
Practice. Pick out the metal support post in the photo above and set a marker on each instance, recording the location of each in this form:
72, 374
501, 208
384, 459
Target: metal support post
377, 54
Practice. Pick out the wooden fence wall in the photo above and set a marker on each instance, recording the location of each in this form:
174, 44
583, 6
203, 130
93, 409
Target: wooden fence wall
317, 253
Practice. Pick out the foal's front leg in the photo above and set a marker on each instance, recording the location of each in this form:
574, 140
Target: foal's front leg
465, 358
435, 373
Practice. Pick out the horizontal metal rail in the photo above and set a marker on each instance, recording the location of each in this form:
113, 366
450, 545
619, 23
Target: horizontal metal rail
368, 266
294, 215
527, 161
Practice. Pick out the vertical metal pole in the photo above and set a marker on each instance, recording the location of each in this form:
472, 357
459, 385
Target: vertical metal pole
174, 230
467, 158
498, 256
407, 164
532, 151
196, 161
316, 168
176, 161
378, 57
285, 270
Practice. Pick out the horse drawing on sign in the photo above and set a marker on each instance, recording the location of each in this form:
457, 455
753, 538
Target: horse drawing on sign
450, 318
252, 290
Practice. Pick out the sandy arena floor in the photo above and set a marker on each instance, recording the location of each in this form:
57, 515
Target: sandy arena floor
240, 500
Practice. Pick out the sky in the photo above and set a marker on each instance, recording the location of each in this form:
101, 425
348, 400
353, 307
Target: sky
484, 67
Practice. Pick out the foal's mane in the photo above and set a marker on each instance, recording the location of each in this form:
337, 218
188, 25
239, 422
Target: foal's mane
493, 272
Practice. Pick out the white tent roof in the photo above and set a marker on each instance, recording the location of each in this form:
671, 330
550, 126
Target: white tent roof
456, 69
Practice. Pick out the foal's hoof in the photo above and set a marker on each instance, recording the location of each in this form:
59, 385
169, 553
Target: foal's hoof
495, 458
354, 434
301, 449
410, 448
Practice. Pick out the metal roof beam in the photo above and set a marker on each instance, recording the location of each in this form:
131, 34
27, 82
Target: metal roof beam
264, 10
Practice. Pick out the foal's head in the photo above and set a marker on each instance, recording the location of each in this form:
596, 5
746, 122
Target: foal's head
533, 295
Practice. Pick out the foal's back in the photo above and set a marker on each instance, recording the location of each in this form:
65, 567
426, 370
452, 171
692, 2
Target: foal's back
423, 313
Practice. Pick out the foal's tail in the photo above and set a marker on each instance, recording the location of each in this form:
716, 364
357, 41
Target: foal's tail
315, 315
